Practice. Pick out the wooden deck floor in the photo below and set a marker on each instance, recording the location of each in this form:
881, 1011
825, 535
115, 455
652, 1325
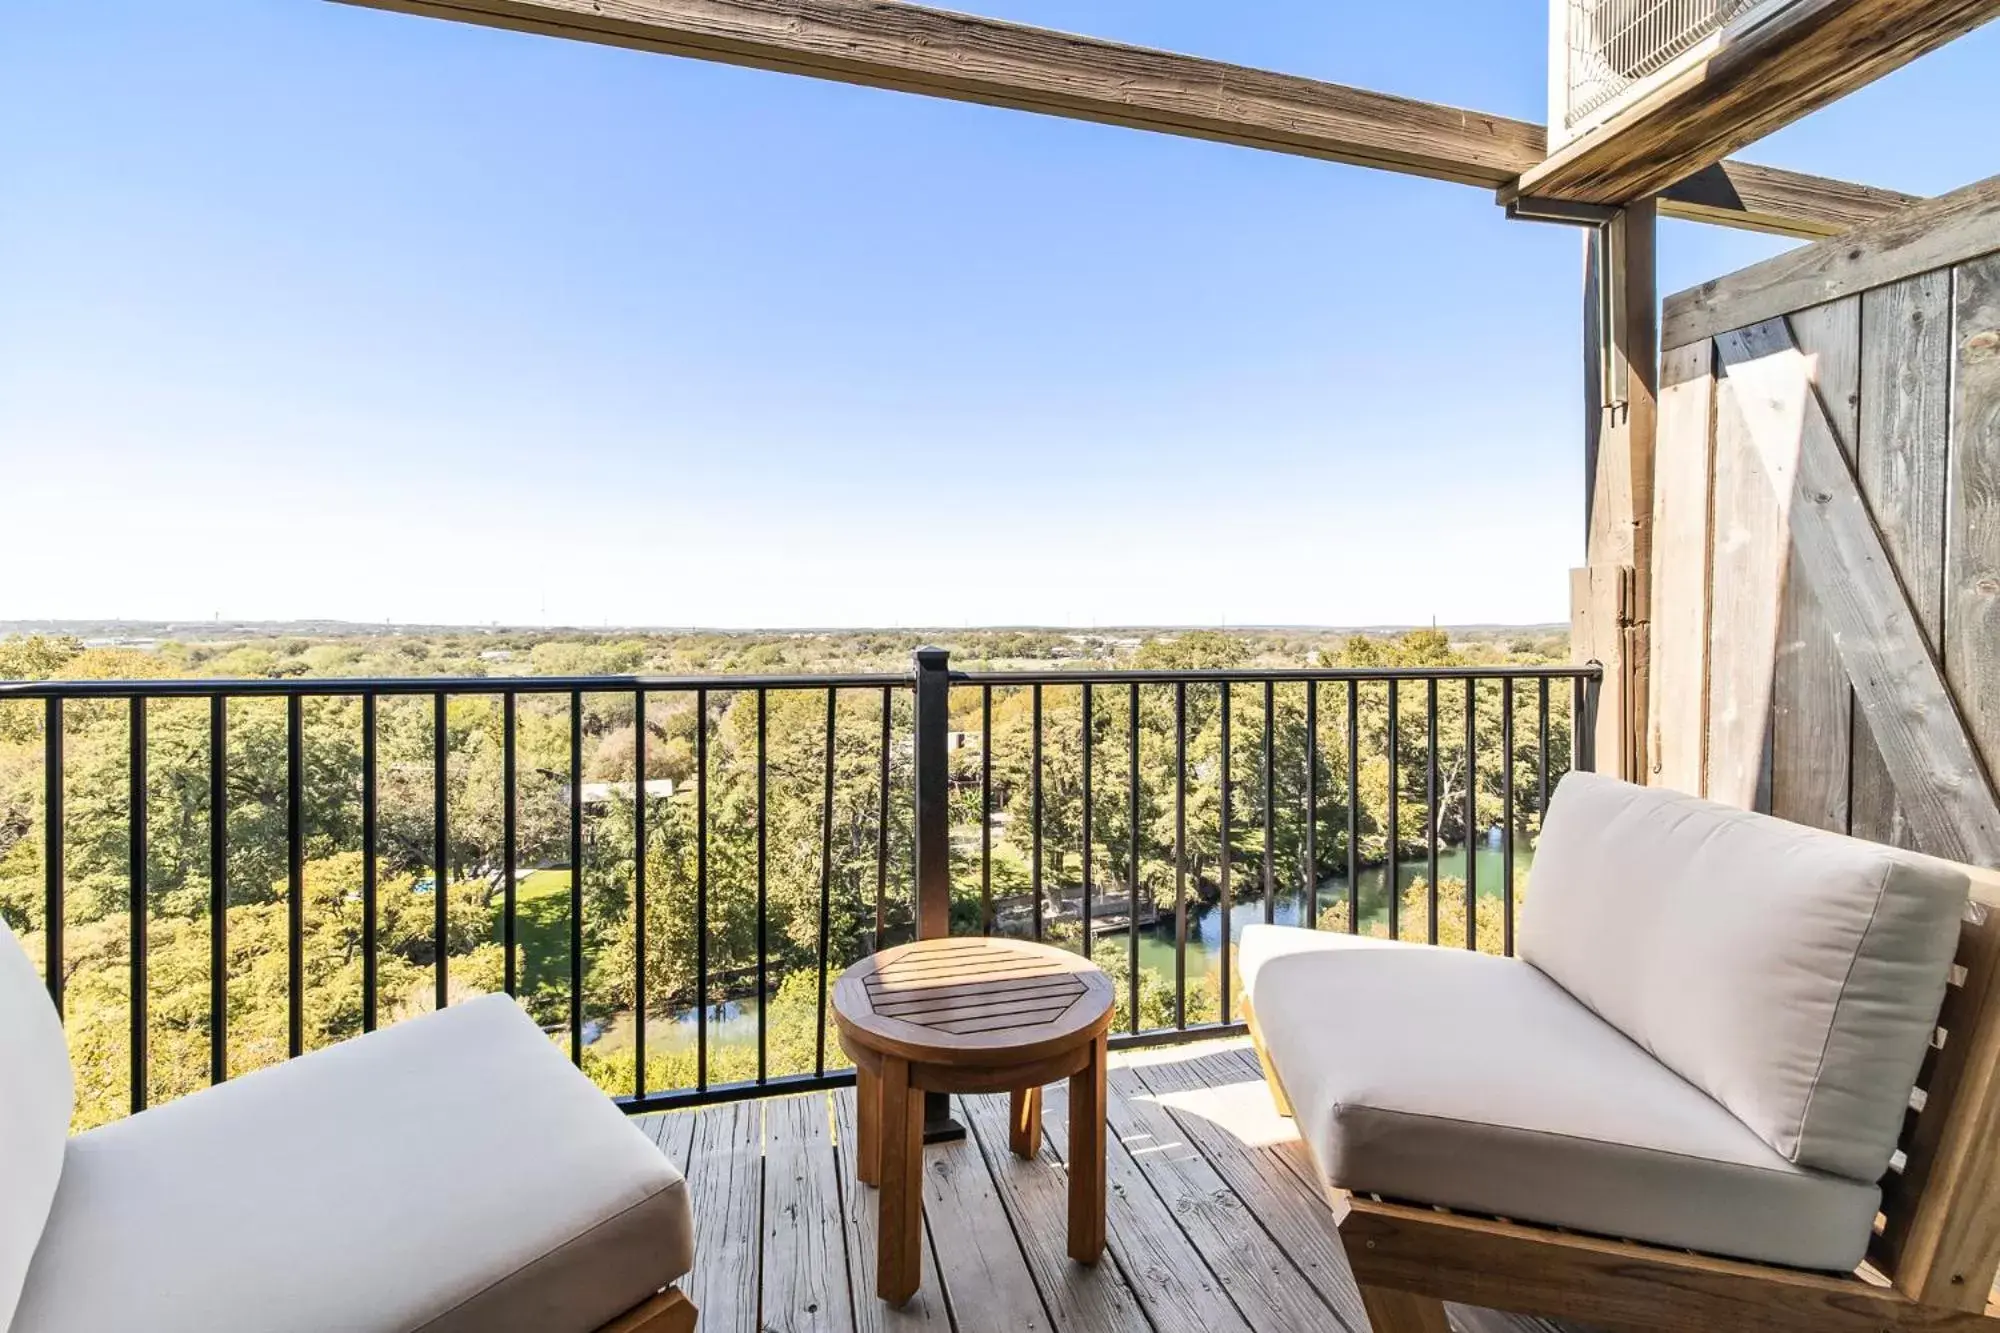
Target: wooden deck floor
1217, 1224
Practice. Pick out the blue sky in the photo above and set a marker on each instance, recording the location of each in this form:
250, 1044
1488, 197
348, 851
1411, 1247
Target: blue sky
317, 311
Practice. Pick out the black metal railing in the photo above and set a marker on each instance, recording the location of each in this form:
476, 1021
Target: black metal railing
949, 801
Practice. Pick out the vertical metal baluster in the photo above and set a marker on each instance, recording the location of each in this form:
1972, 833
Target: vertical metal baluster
1392, 869
701, 887
441, 854
639, 803
1542, 751
1312, 805
825, 887
1180, 855
1507, 817
218, 889
1270, 801
763, 884
1228, 903
1088, 813
1132, 858
576, 877
139, 911
986, 809
1035, 816
52, 849
1431, 806
509, 837
1471, 814
1353, 807
295, 879
1582, 744
371, 869
882, 825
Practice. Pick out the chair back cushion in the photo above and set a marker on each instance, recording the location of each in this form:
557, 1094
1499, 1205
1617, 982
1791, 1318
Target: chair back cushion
37, 1097
1793, 975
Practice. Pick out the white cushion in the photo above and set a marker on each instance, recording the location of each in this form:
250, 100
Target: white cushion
1793, 975
1440, 1076
37, 1098
453, 1172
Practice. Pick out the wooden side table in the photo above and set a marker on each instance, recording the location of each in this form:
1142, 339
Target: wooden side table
971, 1015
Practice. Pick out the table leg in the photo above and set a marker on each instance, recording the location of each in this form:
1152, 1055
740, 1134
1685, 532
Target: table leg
899, 1265
867, 1126
1024, 1122
1086, 1157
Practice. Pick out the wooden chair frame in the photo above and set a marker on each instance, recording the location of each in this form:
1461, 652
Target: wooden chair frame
669, 1311
1931, 1264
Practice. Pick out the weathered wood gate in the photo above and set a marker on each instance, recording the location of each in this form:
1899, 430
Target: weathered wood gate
1826, 510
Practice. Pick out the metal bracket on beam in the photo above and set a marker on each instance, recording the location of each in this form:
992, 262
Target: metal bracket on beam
1565, 212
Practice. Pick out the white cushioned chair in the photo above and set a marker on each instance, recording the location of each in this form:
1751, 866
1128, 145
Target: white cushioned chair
1708, 1042
449, 1174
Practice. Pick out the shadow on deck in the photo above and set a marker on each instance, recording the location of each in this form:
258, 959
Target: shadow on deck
1217, 1223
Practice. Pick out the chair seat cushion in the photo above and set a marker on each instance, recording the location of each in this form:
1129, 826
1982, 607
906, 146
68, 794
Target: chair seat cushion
1446, 1077
449, 1174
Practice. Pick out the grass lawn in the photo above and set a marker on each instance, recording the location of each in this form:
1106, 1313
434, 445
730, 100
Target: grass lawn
541, 925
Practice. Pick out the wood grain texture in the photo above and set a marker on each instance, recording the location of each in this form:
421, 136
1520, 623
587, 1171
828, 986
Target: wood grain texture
1220, 1104
804, 1266
1750, 559
1898, 686
1085, 1155
1900, 463
725, 1172
1263, 1283
1971, 642
1149, 1247
1684, 471
669, 1312
1811, 710
1613, 1284
899, 1235
1097, 1299
971, 1002
991, 1215
928, 1310
913, 49
1402, 1312
1934, 234
1785, 203
1739, 88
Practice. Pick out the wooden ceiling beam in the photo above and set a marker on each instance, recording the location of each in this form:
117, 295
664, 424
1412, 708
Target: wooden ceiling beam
1741, 89
914, 49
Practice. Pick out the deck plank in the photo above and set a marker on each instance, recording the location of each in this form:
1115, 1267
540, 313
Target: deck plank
1226, 1112
988, 1275
725, 1171
929, 1309
1217, 1222
1265, 1286
1036, 1196
1172, 1278
806, 1277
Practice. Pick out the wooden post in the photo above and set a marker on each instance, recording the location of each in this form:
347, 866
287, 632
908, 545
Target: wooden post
1611, 597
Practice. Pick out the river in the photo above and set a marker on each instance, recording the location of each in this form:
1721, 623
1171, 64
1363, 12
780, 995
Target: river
734, 1022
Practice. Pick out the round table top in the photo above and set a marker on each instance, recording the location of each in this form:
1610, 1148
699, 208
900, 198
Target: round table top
972, 1000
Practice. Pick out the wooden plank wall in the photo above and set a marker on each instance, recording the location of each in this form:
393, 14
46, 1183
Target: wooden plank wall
1753, 700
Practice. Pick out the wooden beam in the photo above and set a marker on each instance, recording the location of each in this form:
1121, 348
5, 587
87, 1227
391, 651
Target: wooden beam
1783, 203
1739, 88
1930, 235
1837, 548
1615, 1284
913, 49
1611, 597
